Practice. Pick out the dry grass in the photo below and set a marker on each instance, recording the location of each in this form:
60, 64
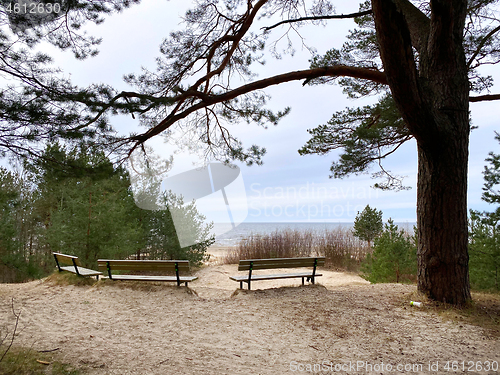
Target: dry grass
483, 311
341, 249
68, 278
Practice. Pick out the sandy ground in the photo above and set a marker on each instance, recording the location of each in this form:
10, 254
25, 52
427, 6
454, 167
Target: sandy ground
340, 325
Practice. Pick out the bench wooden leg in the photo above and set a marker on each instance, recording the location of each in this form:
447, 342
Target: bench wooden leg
241, 284
303, 281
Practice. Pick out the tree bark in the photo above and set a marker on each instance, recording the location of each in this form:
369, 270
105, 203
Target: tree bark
443, 161
433, 101
442, 221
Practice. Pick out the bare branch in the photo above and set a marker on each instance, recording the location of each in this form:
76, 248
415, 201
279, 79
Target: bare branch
483, 98
17, 315
320, 18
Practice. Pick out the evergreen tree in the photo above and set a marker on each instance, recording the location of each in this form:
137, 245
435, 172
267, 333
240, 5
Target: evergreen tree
93, 220
87, 208
484, 247
368, 224
484, 252
394, 258
18, 260
9, 199
85, 205
421, 57
162, 236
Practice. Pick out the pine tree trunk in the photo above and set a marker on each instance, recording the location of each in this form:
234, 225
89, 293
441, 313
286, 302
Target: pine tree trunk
442, 222
433, 99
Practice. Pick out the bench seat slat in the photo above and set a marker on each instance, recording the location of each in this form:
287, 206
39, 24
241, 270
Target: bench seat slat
276, 263
282, 260
264, 266
152, 278
143, 265
260, 264
146, 265
74, 261
65, 256
82, 271
274, 276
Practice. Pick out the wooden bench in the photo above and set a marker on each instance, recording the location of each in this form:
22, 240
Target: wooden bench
75, 265
177, 266
261, 264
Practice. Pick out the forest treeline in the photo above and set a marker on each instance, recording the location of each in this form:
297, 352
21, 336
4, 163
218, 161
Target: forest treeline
76, 201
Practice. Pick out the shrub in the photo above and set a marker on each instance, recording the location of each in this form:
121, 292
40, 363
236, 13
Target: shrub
278, 244
394, 258
484, 236
484, 252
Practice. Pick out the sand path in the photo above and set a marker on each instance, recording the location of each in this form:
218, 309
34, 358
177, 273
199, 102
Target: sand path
211, 328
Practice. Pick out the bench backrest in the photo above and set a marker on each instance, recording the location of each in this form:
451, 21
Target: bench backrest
142, 265
67, 259
259, 264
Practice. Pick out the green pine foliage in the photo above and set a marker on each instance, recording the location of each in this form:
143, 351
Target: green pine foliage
17, 262
368, 224
38, 102
394, 258
9, 199
75, 201
162, 240
366, 135
83, 202
484, 253
484, 228
159, 229
92, 220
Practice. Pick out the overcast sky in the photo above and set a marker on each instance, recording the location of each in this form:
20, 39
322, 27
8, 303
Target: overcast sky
288, 187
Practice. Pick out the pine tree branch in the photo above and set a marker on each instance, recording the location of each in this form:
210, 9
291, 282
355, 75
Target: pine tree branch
331, 71
209, 100
482, 98
481, 45
395, 45
320, 18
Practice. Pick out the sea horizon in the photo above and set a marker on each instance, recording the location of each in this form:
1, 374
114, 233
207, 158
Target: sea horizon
232, 235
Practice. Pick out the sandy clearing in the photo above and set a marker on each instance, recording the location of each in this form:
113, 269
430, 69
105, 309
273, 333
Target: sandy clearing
213, 328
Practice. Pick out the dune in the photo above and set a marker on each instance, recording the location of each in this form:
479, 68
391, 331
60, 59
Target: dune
342, 324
